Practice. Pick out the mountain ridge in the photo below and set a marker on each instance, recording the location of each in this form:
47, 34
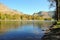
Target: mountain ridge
4, 9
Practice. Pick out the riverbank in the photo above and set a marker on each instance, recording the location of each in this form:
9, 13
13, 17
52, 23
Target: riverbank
54, 33
29, 20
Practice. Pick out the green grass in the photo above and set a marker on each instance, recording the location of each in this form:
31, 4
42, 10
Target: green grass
57, 25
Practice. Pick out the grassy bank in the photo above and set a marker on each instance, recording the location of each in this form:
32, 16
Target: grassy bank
57, 25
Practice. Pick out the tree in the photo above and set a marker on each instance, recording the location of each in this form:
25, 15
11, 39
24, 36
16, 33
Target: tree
3, 17
57, 13
59, 9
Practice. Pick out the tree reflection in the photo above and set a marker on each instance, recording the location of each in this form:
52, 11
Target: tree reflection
6, 26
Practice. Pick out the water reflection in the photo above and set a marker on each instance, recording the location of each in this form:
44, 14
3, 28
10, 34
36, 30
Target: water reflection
21, 29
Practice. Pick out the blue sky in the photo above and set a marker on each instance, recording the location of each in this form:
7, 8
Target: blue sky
27, 6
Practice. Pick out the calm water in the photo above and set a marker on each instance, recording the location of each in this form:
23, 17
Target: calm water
23, 30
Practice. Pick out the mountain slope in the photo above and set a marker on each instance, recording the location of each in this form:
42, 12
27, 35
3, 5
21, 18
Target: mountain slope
5, 10
45, 14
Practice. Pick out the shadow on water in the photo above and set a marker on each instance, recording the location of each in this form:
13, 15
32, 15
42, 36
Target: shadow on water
23, 30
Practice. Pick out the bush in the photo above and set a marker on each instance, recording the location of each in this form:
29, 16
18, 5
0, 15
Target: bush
47, 18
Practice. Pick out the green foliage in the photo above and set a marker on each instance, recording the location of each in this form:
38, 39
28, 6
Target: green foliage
58, 23
3, 17
47, 18
56, 26
0, 16
8, 16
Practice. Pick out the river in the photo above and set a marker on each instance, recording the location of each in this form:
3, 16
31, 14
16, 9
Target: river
23, 30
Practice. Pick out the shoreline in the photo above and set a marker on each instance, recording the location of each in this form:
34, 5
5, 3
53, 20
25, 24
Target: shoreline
28, 20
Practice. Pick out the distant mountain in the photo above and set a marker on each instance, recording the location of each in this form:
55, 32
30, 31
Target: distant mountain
45, 14
51, 13
39, 13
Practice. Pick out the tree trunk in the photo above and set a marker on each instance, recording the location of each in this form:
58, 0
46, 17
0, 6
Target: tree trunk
58, 9
56, 15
